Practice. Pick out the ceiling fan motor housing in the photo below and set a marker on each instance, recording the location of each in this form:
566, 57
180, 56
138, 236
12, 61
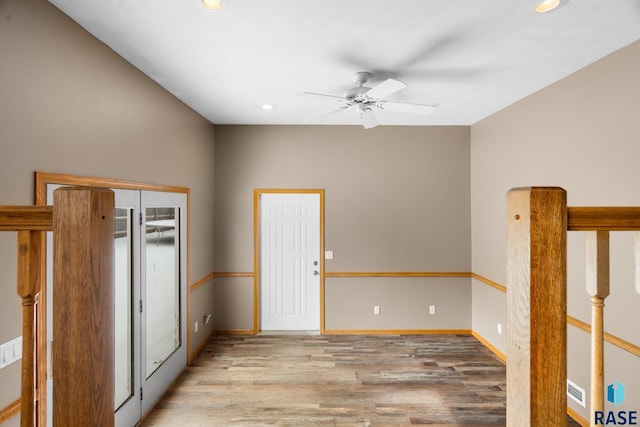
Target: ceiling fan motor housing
362, 107
357, 93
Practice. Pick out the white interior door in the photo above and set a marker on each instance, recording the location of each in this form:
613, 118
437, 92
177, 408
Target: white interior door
150, 299
289, 261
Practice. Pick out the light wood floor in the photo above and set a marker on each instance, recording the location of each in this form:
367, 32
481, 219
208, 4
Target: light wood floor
347, 380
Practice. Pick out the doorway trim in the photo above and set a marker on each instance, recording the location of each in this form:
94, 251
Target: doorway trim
256, 249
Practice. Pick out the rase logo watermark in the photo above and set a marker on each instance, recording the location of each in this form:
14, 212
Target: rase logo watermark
615, 395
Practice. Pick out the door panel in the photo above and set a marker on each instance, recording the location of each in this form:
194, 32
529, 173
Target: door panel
127, 317
164, 278
290, 261
123, 298
162, 298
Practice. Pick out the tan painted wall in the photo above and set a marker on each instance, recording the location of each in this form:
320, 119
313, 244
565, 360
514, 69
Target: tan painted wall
68, 104
403, 303
397, 199
582, 134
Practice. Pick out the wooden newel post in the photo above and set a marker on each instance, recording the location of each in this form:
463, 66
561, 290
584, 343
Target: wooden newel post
28, 287
83, 307
537, 307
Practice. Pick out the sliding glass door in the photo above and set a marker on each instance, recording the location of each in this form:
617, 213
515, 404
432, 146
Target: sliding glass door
150, 299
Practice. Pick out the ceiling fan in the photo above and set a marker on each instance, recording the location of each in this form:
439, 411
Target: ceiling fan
365, 100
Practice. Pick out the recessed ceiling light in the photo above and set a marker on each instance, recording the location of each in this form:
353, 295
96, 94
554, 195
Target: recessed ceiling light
212, 4
268, 106
549, 5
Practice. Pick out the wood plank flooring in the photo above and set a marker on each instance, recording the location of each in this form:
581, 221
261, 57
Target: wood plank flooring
344, 380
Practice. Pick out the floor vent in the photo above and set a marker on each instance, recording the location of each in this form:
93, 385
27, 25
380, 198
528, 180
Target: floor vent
576, 393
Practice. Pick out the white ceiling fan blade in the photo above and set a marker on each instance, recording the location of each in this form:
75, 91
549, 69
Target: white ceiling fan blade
386, 88
327, 114
406, 107
323, 96
369, 119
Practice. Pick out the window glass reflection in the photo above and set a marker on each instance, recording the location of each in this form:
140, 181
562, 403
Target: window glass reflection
162, 302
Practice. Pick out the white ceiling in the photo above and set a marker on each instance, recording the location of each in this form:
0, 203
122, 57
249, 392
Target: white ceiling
471, 57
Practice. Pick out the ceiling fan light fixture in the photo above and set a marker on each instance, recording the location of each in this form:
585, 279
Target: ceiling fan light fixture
212, 4
549, 5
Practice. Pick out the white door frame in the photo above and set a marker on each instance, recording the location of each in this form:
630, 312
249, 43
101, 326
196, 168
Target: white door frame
256, 246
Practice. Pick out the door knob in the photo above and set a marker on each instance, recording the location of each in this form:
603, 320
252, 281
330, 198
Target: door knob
315, 272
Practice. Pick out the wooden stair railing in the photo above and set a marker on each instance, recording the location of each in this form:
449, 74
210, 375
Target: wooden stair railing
82, 222
29, 244
537, 221
30, 222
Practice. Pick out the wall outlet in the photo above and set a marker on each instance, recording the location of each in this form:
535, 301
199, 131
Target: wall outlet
432, 309
499, 328
376, 309
10, 352
195, 327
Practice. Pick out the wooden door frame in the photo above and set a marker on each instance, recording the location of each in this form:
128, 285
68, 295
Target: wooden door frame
256, 249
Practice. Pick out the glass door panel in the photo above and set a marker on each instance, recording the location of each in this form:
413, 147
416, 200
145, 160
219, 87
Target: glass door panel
127, 313
163, 292
123, 305
162, 296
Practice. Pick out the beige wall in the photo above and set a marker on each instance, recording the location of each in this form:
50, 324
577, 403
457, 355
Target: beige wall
397, 199
70, 105
582, 134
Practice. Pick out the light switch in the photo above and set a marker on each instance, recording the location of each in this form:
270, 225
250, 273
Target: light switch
328, 254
